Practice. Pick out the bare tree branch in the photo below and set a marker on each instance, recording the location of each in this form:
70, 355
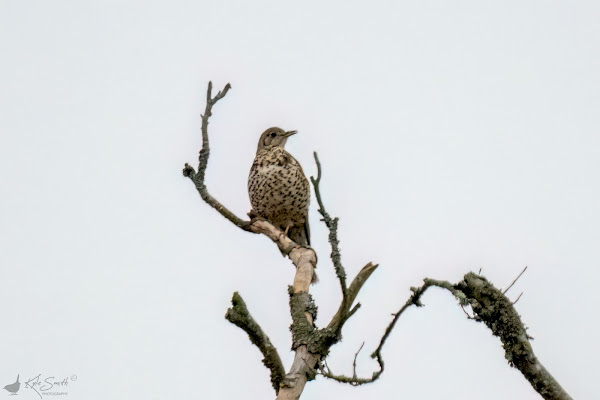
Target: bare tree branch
497, 312
354, 362
499, 315
332, 225
311, 345
414, 299
518, 297
354, 309
295, 252
348, 294
198, 177
239, 315
343, 313
516, 279
304, 258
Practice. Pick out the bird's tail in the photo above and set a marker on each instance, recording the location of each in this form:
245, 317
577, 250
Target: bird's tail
299, 235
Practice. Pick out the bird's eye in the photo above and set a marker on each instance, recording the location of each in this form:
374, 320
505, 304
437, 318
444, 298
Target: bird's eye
273, 134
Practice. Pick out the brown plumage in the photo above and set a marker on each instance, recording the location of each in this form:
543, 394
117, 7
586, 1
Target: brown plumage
279, 192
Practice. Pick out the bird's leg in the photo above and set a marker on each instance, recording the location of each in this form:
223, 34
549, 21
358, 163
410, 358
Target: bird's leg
255, 217
287, 228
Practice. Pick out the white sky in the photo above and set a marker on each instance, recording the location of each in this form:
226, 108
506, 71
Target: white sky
453, 136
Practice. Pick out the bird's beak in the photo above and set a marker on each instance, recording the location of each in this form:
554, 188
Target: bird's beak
289, 133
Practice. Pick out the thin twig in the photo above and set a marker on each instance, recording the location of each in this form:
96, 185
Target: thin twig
515, 302
332, 225
466, 313
198, 177
354, 363
414, 300
516, 279
326, 366
355, 381
354, 309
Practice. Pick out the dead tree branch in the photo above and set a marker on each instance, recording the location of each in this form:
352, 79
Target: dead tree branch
312, 345
332, 225
348, 294
499, 315
239, 315
491, 306
198, 177
304, 258
518, 297
257, 225
515, 281
414, 299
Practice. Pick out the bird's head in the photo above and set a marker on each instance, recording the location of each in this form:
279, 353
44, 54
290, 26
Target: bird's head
274, 137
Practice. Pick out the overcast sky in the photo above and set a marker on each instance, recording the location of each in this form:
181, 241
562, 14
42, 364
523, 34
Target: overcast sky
454, 136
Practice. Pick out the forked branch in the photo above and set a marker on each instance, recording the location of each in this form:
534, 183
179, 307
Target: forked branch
198, 177
303, 258
491, 306
312, 345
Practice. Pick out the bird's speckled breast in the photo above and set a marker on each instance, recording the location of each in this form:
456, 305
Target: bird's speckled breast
278, 189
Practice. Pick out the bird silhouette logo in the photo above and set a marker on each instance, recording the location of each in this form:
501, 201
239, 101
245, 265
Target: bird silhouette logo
13, 388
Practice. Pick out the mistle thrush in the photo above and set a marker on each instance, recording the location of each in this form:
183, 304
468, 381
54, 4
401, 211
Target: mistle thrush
279, 192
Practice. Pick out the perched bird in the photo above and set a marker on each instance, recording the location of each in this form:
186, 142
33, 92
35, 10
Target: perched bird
13, 387
279, 192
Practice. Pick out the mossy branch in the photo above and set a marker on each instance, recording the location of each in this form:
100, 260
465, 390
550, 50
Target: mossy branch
239, 315
491, 306
332, 225
498, 313
348, 294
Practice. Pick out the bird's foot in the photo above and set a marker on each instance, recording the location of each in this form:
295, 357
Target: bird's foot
255, 217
